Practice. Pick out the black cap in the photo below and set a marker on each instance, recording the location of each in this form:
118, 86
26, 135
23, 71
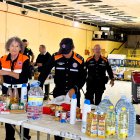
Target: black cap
66, 45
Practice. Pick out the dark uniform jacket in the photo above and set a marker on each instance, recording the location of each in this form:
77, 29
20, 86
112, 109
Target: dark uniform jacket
97, 78
69, 73
28, 52
43, 58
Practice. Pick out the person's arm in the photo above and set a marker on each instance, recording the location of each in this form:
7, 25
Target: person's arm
23, 75
32, 56
109, 70
46, 71
110, 73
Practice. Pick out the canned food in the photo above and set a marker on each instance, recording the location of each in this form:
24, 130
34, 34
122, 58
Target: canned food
63, 117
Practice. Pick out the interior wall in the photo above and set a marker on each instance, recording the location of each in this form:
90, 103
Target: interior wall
39, 28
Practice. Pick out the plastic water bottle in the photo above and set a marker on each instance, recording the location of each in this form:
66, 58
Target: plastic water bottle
123, 124
118, 107
120, 103
110, 122
124, 102
104, 105
35, 101
86, 109
132, 118
23, 94
73, 109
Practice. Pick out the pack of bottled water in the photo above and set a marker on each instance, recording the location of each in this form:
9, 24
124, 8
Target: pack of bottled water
122, 103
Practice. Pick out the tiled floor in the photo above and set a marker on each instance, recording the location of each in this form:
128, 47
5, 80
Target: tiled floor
114, 93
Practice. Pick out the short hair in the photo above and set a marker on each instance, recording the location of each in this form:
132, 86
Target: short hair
42, 46
97, 45
24, 40
17, 39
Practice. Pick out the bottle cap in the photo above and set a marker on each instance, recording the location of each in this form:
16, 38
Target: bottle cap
106, 97
123, 97
123, 108
74, 96
87, 102
111, 107
101, 113
24, 85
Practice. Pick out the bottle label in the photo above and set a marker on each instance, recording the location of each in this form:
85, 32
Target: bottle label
110, 130
123, 133
35, 101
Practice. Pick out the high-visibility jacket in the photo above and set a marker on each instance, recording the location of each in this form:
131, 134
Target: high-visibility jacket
20, 65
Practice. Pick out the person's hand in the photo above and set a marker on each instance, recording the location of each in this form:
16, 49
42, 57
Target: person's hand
112, 82
39, 64
32, 63
3, 72
71, 92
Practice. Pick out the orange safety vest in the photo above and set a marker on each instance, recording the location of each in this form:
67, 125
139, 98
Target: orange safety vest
6, 64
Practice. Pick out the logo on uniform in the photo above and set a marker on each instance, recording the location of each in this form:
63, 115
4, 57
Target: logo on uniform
19, 63
63, 46
75, 65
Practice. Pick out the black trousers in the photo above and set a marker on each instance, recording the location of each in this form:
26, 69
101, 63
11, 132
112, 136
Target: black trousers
10, 132
78, 104
94, 95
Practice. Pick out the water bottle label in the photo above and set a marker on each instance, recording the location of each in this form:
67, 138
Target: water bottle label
110, 131
25, 97
123, 133
35, 101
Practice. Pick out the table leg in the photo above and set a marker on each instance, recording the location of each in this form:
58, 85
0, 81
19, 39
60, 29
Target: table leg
38, 135
22, 133
48, 136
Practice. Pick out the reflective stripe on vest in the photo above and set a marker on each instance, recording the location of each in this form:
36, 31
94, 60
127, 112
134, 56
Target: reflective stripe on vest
6, 64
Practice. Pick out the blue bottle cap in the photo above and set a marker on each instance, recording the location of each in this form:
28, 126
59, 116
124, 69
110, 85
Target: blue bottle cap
123, 97
74, 96
87, 101
24, 85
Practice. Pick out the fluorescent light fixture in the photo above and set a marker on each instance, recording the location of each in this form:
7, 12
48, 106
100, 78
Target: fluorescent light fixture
105, 28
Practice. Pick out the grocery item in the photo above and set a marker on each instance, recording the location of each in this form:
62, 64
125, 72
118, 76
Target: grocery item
86, 109
104, 105
35, 101
123, 124
101, 125
73, 109
16, 95
63, 117
124, 102
110, 122
92, 124
58, 110
24, 94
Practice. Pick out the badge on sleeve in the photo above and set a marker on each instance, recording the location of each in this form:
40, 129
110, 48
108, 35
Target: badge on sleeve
19, 63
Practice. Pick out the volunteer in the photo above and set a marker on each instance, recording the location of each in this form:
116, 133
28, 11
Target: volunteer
14, 68
42, 58
97, 66
69, 71
28, 52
